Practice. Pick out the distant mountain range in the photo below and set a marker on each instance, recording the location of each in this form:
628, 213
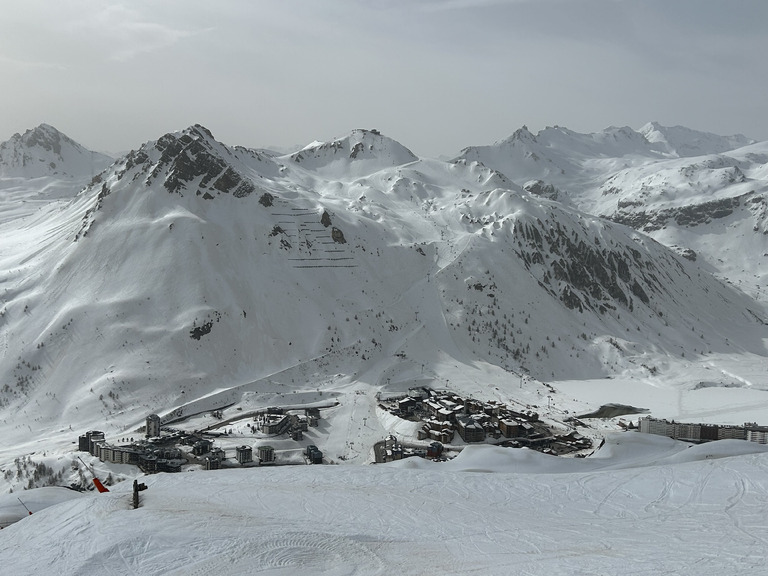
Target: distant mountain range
680, 186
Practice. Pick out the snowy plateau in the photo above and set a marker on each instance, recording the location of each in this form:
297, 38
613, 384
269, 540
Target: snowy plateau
553, 273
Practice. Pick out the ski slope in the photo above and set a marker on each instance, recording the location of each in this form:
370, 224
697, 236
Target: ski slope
643, 505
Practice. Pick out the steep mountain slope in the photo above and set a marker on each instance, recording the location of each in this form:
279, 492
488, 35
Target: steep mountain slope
698, 193
191, 274
40, 167
709, 207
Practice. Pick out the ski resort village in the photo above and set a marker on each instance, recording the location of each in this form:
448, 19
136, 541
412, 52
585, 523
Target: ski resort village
446, 421
441, 418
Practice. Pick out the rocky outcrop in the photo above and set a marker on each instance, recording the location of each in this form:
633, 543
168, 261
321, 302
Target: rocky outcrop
189, 162
693, 215
541, 188
338, 236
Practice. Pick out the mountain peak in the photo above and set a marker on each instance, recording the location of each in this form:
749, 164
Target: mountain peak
45, 129
47, 138
45, 151
685, 142
189, 160
359, 152
522, 134
200, 131
195, 132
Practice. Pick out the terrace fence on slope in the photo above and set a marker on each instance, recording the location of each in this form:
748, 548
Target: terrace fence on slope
313, 242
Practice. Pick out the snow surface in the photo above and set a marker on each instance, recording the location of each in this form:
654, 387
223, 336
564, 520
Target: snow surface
17, 506
645, 505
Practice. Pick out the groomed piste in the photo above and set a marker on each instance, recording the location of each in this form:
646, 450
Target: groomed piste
642, 505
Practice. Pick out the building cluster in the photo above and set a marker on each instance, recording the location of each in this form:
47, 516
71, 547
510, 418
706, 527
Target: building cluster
391, 449
473, 420
147, 455
160, 452
699, 433
444, 414
313, 454
275, 421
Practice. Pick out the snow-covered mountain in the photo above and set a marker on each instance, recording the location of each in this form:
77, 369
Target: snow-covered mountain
682, 142
686, 189
359, 153
191, 276
713, 207
558, 155
189, 266
43, 166
44, 151
580, 163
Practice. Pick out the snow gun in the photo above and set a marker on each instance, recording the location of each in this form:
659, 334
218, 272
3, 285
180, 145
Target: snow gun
96, 482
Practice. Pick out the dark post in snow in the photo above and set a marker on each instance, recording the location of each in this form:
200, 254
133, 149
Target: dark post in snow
136, 489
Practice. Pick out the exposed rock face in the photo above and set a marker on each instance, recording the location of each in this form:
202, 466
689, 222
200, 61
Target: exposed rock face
693, 215
189, 162
689, 254
46, 138
198, 332
188, 158
541, 188
89, 214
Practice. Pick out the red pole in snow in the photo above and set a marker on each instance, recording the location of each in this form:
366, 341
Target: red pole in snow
25, 506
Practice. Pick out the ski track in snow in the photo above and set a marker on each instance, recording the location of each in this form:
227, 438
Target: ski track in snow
705, 516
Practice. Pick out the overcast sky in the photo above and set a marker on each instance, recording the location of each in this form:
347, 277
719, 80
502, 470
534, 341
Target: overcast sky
436, 75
